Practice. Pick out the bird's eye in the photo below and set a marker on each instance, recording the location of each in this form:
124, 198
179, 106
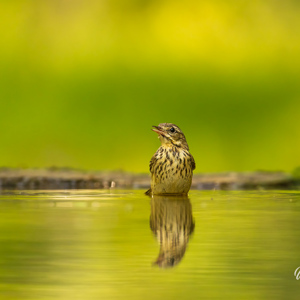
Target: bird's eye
172, 129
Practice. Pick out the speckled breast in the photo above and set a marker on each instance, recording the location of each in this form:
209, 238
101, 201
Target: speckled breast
172, 171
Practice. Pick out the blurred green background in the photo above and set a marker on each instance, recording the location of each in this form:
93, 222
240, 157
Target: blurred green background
83, 81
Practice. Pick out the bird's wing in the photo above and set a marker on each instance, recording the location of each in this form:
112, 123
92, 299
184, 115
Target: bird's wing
152, 163
193, 162
151, 167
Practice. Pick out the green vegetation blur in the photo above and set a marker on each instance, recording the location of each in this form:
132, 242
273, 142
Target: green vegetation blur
82, 82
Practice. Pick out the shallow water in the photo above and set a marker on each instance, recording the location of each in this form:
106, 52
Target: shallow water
104, 244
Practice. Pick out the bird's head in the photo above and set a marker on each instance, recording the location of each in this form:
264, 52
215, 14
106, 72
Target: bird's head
170, 134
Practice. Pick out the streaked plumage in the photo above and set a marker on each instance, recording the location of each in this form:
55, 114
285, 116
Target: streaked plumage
172, 223
172, 165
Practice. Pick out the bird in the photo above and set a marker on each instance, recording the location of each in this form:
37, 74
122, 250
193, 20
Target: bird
172, 223
172, 165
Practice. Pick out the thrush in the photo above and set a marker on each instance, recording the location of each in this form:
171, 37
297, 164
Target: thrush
172, 223
172, 165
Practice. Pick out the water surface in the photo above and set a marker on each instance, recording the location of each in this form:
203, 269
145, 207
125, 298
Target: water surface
101, 244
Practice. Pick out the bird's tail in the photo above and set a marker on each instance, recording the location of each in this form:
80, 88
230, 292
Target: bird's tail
149, 192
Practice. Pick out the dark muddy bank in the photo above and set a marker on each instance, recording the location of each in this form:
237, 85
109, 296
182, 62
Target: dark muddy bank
75, 179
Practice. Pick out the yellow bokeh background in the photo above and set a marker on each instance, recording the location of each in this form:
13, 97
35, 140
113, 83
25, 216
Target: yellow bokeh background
82, 82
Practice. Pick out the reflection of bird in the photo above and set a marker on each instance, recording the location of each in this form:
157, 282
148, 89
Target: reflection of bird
172, 165
172, 223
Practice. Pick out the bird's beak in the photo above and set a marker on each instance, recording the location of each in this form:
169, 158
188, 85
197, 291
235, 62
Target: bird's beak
158, 130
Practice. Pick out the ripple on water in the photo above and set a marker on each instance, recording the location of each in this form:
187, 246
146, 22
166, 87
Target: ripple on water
112, 244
